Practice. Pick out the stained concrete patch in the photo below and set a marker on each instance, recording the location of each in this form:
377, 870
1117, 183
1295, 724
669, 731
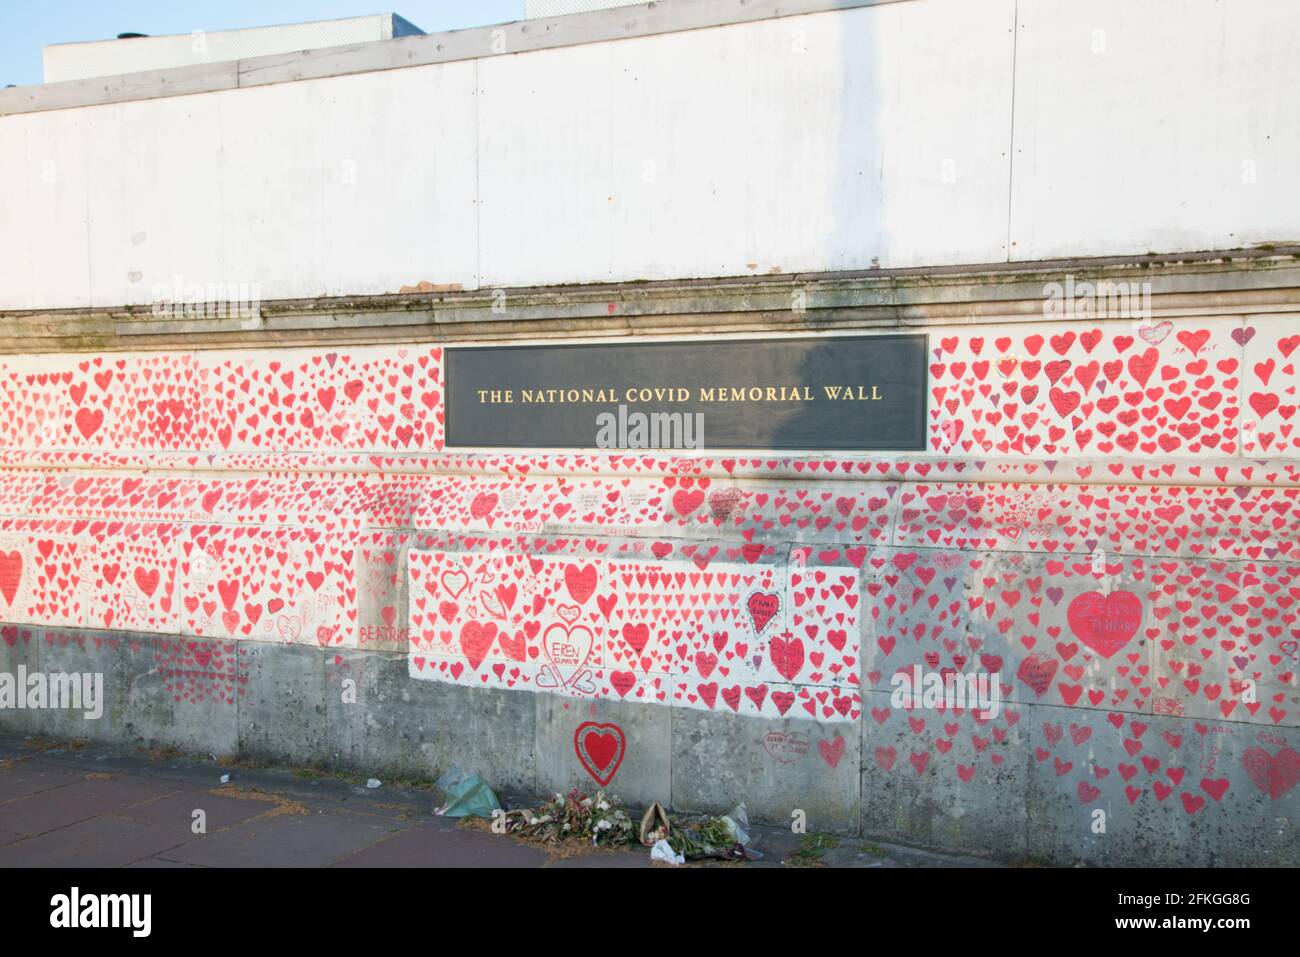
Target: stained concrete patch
19, 647
160, 711
75, 654
418, 729
379, 718
283, 713
775, 767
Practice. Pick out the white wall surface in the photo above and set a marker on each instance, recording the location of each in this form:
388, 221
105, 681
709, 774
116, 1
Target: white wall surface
1138, 126
880, 135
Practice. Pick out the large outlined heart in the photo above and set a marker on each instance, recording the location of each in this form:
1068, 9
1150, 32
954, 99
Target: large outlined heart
600, 749
568, 649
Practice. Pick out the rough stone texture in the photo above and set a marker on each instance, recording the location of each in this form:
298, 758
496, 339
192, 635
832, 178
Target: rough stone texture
158, 711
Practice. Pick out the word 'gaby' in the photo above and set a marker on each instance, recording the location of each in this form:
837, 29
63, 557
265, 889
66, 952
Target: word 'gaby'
930, 689
80, 692
102, 910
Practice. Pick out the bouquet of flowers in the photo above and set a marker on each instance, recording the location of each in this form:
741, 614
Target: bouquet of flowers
596, 818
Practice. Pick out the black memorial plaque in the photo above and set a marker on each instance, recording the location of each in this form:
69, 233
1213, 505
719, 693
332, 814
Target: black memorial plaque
861, 393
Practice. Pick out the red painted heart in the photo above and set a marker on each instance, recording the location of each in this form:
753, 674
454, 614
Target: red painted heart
600, 749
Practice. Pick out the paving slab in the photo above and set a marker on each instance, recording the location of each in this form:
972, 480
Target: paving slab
434, 845
220, 811
105, 841
21, 780
59, 807
287, 840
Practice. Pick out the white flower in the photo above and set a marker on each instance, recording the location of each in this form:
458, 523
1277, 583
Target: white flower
603, 806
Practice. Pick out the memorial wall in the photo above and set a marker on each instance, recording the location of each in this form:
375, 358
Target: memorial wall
974, 556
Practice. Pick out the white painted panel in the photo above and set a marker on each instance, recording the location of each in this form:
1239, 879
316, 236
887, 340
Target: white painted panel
1136, 121
43, 251
155, 190
351, 185
807, 143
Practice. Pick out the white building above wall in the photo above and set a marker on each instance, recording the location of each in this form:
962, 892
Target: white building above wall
133, 54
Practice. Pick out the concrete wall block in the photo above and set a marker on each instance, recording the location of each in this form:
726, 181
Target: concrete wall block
625, 748
945, 779
386, 723
19, 647
283, 714
181, 693
1167, 790
75, 654
776, 767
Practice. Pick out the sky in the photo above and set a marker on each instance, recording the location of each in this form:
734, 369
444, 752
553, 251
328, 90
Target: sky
28, 25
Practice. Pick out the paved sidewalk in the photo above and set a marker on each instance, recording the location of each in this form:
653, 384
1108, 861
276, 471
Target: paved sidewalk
62, 806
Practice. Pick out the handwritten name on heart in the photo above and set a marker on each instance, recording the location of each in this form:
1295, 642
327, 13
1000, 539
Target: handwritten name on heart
762, 607
1105, 623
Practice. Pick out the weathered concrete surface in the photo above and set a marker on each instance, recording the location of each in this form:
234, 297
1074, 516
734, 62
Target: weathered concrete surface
777, 768
644, 772
943, 780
